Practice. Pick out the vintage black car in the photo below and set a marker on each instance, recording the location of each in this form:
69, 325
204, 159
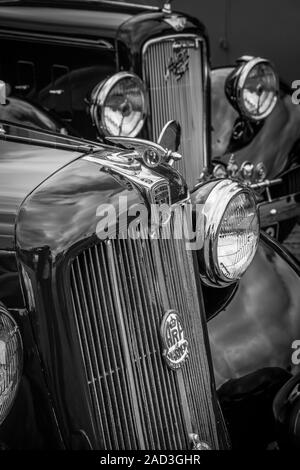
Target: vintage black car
123, 343
107, 68
104, 341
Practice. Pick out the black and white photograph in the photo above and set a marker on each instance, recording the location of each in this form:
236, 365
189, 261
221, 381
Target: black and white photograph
149, 229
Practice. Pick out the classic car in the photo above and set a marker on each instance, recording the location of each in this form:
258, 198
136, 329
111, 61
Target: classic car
103, 340
86, 358
97, 69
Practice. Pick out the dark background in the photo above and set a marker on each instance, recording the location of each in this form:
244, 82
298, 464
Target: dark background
267, 28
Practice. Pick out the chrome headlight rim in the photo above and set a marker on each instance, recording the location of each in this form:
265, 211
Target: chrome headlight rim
100, 94
5, 409
214, 210
236, 83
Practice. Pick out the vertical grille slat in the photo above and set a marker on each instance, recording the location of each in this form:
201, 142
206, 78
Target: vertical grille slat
142, 353
120, 291
175, 260
176, 98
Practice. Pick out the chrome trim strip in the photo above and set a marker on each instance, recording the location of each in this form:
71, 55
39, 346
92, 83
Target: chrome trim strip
131, 5
56, 39
124, 4
48, 143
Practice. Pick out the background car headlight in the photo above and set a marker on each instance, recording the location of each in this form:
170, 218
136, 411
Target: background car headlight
231, 232
11, 361
118, 105
253, 88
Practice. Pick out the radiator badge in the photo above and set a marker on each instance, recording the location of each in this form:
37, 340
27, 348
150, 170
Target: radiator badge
177, 22
174, 343
178, 64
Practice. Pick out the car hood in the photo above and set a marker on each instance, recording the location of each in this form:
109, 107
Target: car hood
61, 21
23, 168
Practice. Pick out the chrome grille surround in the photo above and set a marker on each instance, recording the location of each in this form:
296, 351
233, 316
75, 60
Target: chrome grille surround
120, 291
184, 99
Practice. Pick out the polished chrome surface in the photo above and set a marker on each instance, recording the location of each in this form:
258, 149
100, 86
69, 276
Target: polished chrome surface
155, 189
246, 173
242, 76
11, 361
120, 292
129, 4
170, 136
152, 154
197, 444
177, 98
167, 8
213, 205
126, 162
101, 93
174, 341
2, 92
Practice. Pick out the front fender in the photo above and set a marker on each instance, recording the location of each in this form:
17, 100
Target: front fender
271, 142
257, 328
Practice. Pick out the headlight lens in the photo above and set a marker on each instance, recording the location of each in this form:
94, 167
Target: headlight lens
237, 237
11, 360
231, 232
253, 88
118, 105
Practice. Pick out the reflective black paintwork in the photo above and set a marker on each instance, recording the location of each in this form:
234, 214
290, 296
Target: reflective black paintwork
31, 423
56, 212
64, 19
56, 216
52, 205
22, 112
257, 328
251, 341
22, 169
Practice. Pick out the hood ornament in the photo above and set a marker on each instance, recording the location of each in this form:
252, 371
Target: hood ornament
154, 154
167, 7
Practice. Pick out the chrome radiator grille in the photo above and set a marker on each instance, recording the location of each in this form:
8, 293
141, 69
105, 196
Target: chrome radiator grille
174, 71
120, 292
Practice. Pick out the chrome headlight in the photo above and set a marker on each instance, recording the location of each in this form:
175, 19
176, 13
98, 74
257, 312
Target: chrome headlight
253, 87
231, 232
118, 105
11, 360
